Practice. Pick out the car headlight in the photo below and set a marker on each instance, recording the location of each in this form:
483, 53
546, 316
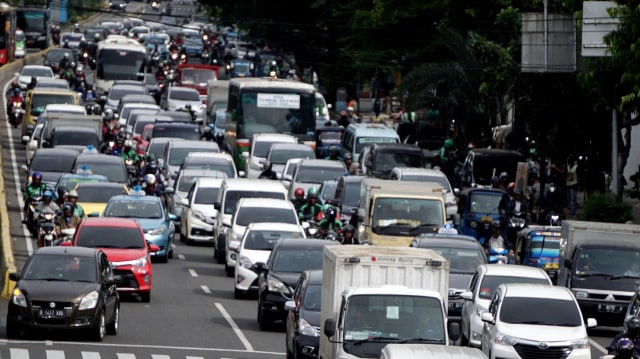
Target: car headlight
277, 286
139, 262
199, 215
157, 231
233, 245
245, 262
18, 298
89, 301
580, 344
505, 340
581, 294
307, 329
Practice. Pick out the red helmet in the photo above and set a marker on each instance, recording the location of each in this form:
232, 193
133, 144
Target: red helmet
299, 192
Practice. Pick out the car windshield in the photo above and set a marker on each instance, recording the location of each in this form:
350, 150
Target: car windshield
197, 76
185, 183
610, 261
281, 156
328, 190
37, 72
64, 268
98, 194
156, 148
71, 182
397, 215
216, 164
261, 148
487, 203
139, 126
184, 132
265, 240
206, 195
297, 260
134, 209
72, 138
312, 174
234, 196
52, 164
491, 282
540, 311
39, 101
441, 180
184, 95
462, 260
363, 142
248, 215
110, 237
312, 298
545, 242
178, 154
115, 172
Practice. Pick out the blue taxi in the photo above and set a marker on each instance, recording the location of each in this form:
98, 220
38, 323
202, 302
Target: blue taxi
539, 246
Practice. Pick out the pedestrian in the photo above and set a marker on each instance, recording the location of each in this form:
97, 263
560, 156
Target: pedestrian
344, 119
572, 185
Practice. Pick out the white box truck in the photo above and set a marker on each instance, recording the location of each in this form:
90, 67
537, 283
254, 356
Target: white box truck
600, 263
374, 295
430, 351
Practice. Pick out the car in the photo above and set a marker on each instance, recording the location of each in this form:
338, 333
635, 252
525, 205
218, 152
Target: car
383, 157
185, 131
118, 5
280, 153
240, 68
93, 196
287, 260
311, 173
326, 137
257, 242
260, 146
175, 152
36, 101
128, 252
303, 316
29, 71
111, 166
139, 31
551, 325
73, 137
255, 210
119, 90
430, 175
33, 142
72, 39
477, 297
464, 254
347, 196
150, 212
51, 163
62, 288
183, 181
134, 101
70, 180
177, 98
219, 161
360, 135
56, 83
53, 57
198, 215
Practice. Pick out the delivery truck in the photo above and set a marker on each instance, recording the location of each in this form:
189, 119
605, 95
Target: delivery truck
373, 296
600, 263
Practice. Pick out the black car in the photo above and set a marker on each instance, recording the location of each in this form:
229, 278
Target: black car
187, 131
64, 288
53, 57
118, 5
51, 163
288, 259
383, 157
303, 319
464, 254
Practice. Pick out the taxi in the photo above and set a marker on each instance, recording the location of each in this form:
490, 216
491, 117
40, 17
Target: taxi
93, 196
539, 246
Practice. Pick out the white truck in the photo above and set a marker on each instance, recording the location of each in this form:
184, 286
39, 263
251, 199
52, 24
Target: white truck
430, 351
374, 295
394, 212
598, 263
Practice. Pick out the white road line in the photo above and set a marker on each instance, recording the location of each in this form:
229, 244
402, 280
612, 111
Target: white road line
15, 353
159, 356
193, 273
126, 356
190, 357
55, 354
90, 355
205, 289
235, 327
181, 257
598, 346
16, 177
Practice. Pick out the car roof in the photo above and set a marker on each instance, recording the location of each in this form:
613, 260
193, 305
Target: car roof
87, 157
292, 146
184, 143
435, 240
69, 128
55, 152
182, 89
70, 251
320, 163
274, 226
130, 197
100, 185
136, 96
350, 178
264, 202
514, 270
202, 173
372, 130
42, 67
216, 155
395, 147
419, 171
209, 182
530, 290
62, 107
110, 222
301, 243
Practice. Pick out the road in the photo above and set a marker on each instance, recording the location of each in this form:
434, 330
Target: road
192, 313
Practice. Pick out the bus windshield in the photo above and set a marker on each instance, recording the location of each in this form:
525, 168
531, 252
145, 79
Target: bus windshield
32, 20
119, 64
283, 112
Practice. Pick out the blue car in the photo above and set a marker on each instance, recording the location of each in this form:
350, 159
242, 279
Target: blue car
539, 246
240, 68
150, 212
192, 47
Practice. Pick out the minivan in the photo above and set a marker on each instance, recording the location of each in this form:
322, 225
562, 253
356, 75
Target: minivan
359, 135
37, 99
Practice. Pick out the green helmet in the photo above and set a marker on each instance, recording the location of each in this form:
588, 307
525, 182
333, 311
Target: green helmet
448, 143
312, 192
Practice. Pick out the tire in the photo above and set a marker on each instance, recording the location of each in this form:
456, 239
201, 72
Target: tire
164, 258
238, 294
221, 255
100, 330
171, 253
262, 322
145, 297
112, 327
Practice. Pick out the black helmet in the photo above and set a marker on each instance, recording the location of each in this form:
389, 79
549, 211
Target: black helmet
633, 327
495, 224
348, 156
67, 208
504, 176
219, 136
624, 346
331, 213
348, 228
62, 191
267, 165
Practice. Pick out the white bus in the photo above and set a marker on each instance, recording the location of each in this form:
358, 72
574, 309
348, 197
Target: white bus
267, 105
118, 58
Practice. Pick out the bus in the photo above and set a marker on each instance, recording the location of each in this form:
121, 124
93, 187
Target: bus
118, 58
7, 34
33, 22
267, 105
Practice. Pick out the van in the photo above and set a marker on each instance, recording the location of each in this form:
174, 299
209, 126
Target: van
359, 135
21, 44
231, 191
482, 164
37, 99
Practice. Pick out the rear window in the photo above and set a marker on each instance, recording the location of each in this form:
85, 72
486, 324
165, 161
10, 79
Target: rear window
110, 237
185, 95
118, 93
281, 156
248, 215
206, 195
52, 164
115, 172
71, 138
490, 283
318, 174
215, 164
297, 260
177, 155
232, 198
186, 132
265, 240
98, 194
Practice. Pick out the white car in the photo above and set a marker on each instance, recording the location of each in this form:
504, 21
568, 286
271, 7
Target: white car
255, 210
198, 215
64, 108
481, 287
177, 98
536, 321
183, 183
218, 161
33, 142
256, 245
260, 146
312, 173
29, 71
280, 153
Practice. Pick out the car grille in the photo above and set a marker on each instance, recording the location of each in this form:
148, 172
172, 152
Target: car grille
526, 351
616, 297
125, 279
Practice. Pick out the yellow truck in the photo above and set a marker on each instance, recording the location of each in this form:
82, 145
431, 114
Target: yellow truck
37, 99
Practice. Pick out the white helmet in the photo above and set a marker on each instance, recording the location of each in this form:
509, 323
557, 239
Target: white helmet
128, 143
150, 179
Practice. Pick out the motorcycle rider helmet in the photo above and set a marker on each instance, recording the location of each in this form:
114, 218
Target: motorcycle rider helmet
448, 143
108, 114
128, 144
312, 193
72, 194
348, 228
36, 176
16, 92
67, 209
153, 165
504, 176
267, 165
496, 224
47, 194
15, 83
97, 109
66, 56
624, 348
348, 156
330, 213
150, 179
219, 137
299, 193
79, 70
633, 327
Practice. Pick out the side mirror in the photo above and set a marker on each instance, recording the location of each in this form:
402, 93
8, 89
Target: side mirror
329, 327
261, 267
591, 322
245, 155
24, 168
169, 190
216, 206
25, 138
466, 295
14, 276
290, 305
184, 202
487, 317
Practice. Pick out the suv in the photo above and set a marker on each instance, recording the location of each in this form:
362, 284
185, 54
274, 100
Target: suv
383, 157
359, 135
288, 259
484, 282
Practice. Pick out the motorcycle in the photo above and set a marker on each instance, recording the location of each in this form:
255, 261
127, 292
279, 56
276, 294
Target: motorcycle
205, 58
132, 170
554, 218
65, 235
31, 219
517, 222
155, 60
47, 229
86, 59
499, 256
15, 117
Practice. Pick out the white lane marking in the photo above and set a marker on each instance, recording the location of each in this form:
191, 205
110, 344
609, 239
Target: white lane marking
235, 327
190, 357
159, 356
15, 353
16, 178
90, 355
55, 354
126, 356
205, 289
181, 257
598, 346
193, 273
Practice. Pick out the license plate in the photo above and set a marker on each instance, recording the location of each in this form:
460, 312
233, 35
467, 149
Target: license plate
455, 305
610, 308
551, 266
51, 313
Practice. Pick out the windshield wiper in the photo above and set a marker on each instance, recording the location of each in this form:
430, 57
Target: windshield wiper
594, 275
423, 225
424, 340
624, 276
373, 339
55, 279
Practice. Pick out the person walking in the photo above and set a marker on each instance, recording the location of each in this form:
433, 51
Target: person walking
572, 185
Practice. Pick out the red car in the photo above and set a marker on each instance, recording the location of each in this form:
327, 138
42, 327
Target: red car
122, 240
143, 139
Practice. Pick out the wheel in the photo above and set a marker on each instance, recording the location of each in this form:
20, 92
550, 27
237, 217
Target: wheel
145, 297
171, 253
100, 330
165, 257
221, 254
463, 340
289, 354
112, 327
238, 294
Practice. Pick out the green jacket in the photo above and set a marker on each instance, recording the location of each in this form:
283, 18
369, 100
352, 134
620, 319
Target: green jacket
34, 190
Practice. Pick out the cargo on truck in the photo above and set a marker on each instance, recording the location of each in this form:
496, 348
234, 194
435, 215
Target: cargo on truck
392, 213
596, 263
373, 296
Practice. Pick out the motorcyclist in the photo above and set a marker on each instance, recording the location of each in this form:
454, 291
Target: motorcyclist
34, 189
222, 144
65, 63
348, 160
32, 84
47, 203
518, 206
330, 222
551, 201
268, 172
310, 209
448, 158
298, 198
150, 186
347, 237
632, 333
128, 151
625, 349
16, 97
109, 128
68, 220
72, 197
496, 242
334, 154
63, 192
504, 181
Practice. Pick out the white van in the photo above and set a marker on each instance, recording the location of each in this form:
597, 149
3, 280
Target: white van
232, 190
359, 135
425, 351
